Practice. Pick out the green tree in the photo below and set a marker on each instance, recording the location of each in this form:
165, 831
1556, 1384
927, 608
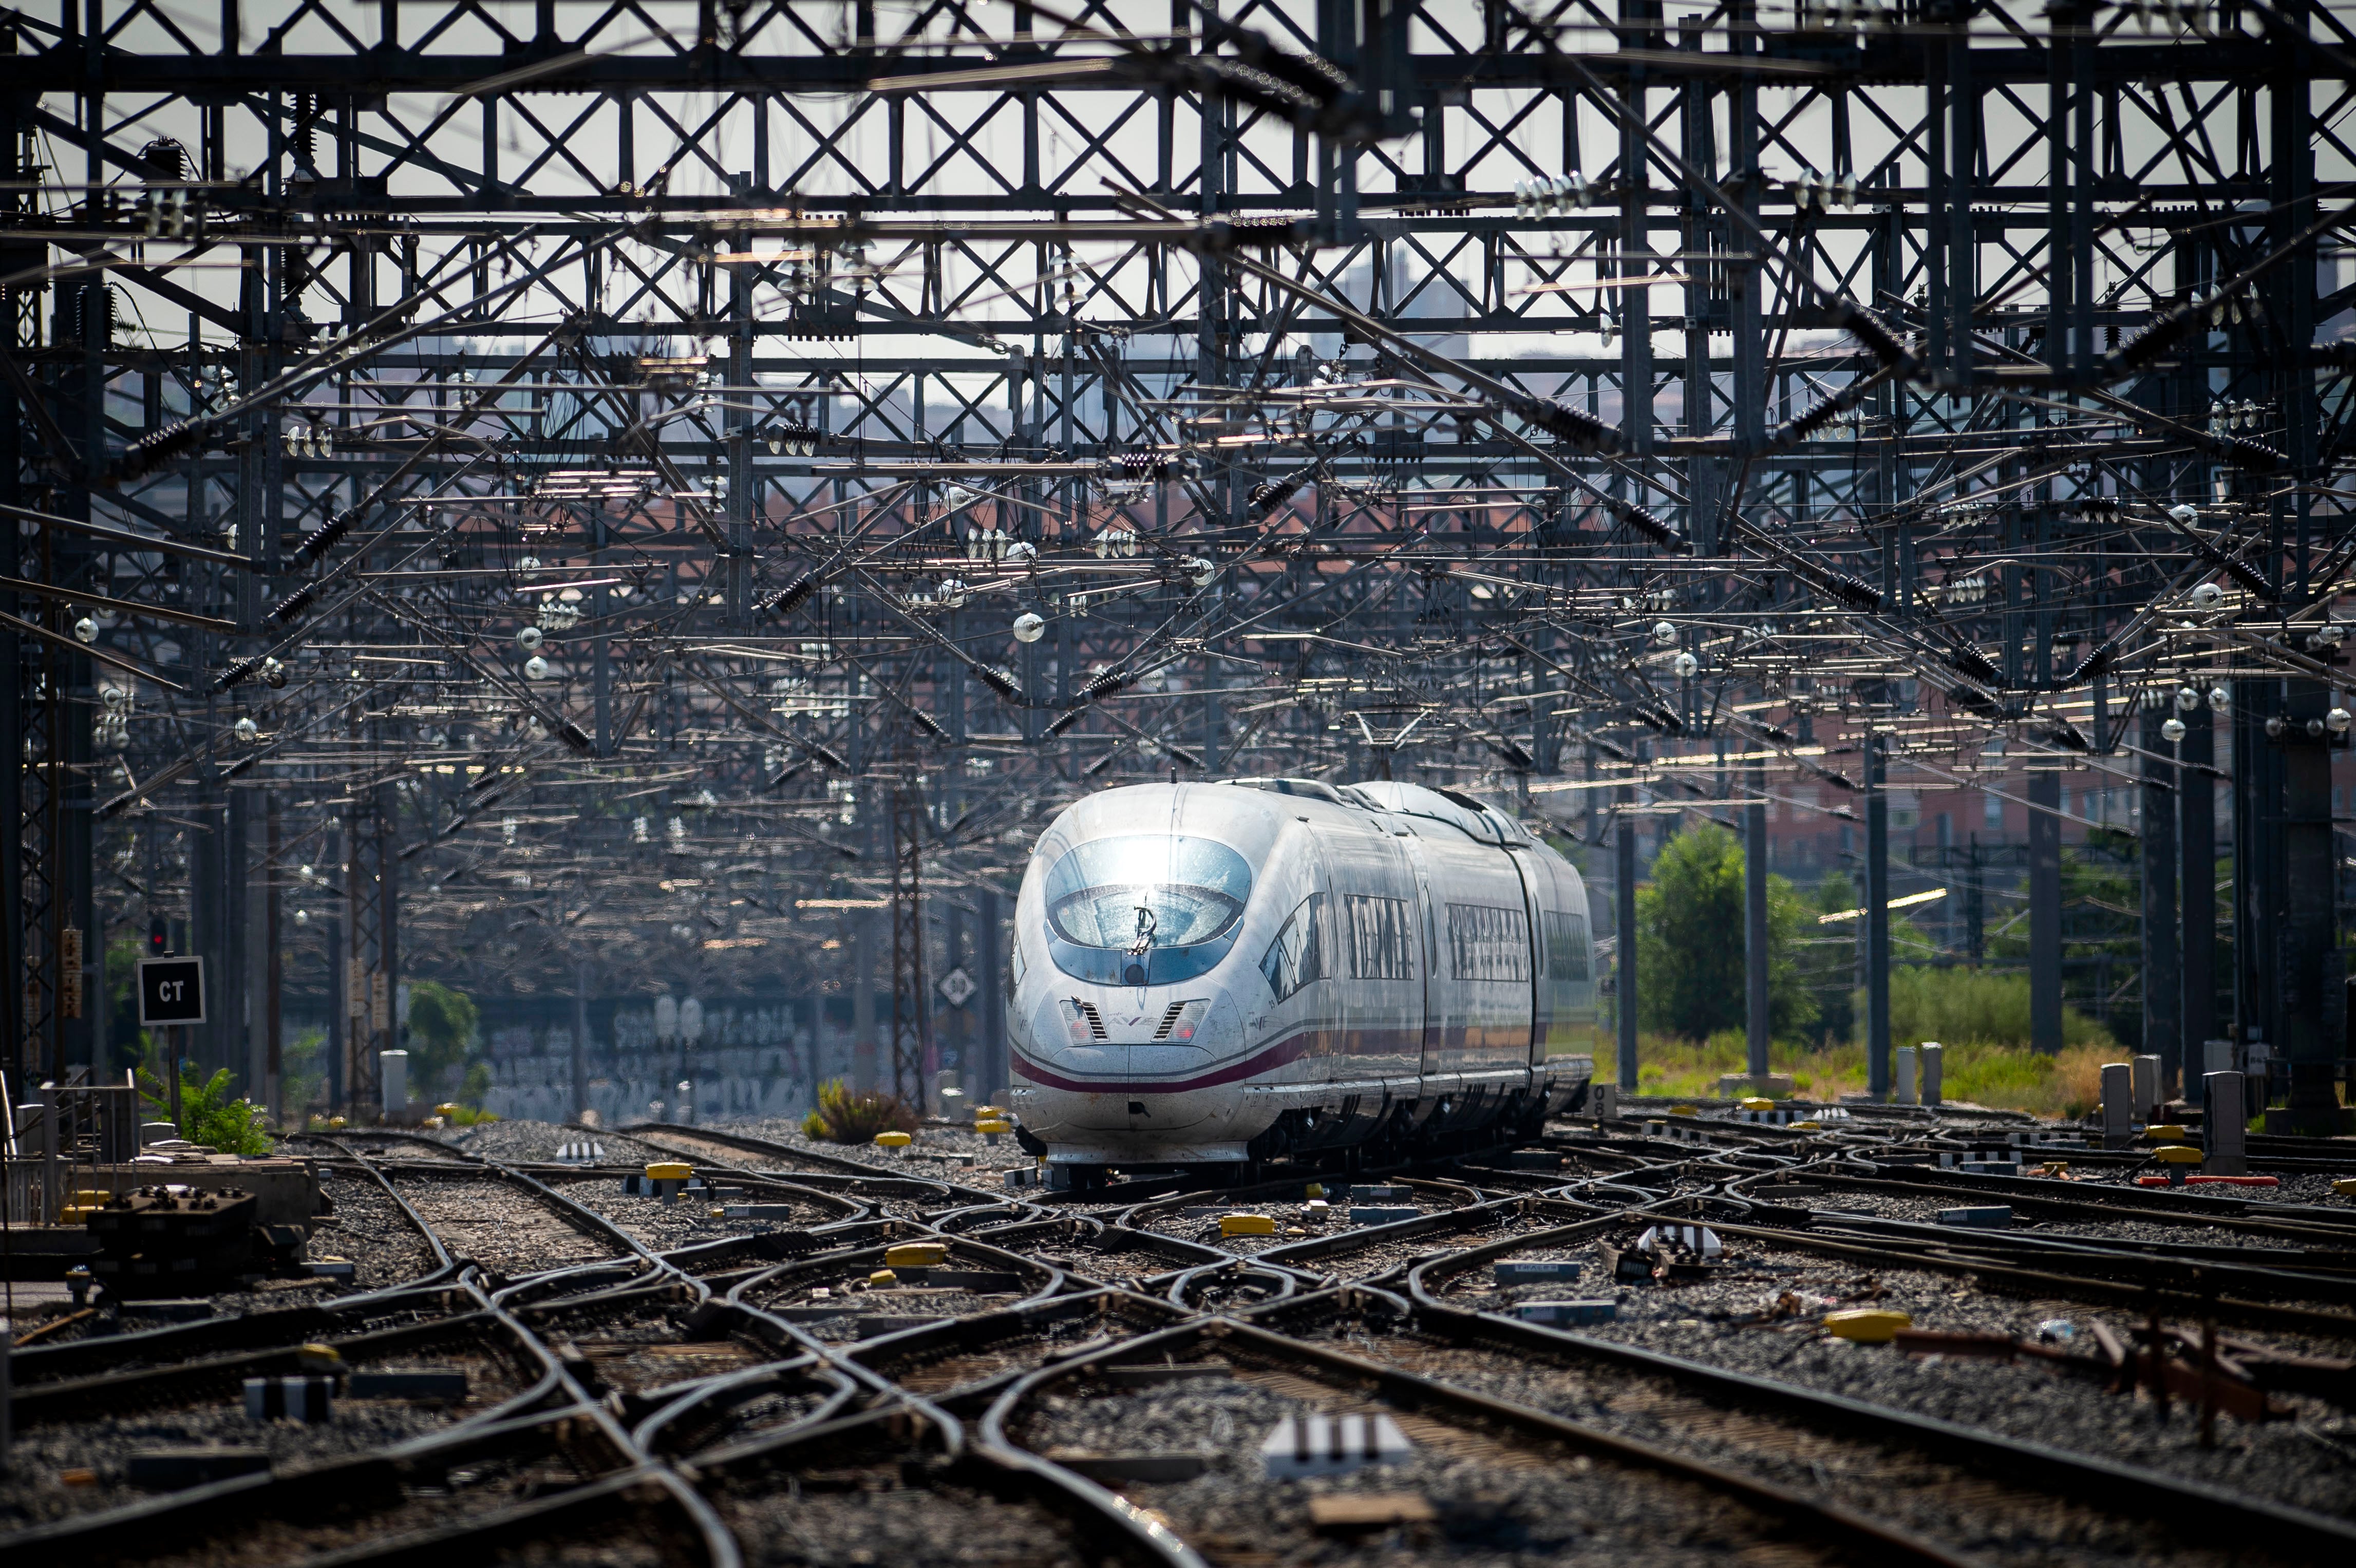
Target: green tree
440, 1035
1825, 956
1691, 965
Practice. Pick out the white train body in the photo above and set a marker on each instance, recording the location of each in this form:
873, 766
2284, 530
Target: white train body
1222, 972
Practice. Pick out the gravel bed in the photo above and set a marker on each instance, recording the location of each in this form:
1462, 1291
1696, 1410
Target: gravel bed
1294, 1219
859, 1516
370, 1229
536, 1142
475, 1491
958, 1143
690, 1219
1783, 1292
938, 1376
1494, 1503
506, 1230
850, 1309
1380, 1257
2297, 1187
1925, 1210
42, 1483
1897, 1487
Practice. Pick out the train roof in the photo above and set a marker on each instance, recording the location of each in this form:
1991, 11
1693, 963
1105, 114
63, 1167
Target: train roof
1470, 817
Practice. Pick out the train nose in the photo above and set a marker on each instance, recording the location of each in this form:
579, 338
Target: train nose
1101, 1061
1177, 1022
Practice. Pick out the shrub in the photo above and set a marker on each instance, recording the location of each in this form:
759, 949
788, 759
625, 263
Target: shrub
208, 1115
1974, 1007
843, 1117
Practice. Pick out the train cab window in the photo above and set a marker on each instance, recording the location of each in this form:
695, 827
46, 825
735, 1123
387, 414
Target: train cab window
1297, 957
1144, 908
1565, 948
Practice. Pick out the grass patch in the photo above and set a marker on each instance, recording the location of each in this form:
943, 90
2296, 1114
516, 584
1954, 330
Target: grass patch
2000, 1076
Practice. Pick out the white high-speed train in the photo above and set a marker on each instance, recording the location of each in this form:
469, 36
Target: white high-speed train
1208, 972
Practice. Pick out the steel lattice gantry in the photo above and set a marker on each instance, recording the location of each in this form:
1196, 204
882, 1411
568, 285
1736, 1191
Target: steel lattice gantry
584, 466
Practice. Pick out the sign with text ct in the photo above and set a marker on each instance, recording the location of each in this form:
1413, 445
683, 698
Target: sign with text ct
171, 991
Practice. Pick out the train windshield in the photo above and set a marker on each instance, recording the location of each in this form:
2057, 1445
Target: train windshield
1144, 893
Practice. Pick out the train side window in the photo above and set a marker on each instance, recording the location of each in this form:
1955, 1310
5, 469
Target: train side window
1565, 948
1297, 957
1380, 936
1489, 944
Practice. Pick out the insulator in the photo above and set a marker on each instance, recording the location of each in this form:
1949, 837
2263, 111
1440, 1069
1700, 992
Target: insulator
2248, 576
1269, 494
1139, 467
1806, 423
1066, 719
1777, 733
1651, 527
1575, 428
824, 753
1853, 591
793, 438
243, 765
2098, 661
788, 599
928, 724
286, 608
239, 672
576, 739
2256, 456
1968, 660
998, 681
1658, 718
1879, 341
154, 449
1104, 684
2067, 736
2156, 339
322, 539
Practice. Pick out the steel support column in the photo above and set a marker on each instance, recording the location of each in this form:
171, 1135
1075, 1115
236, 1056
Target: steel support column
1755, 954
2163, 1031
1877, 1063
2045, 910
1624, 1006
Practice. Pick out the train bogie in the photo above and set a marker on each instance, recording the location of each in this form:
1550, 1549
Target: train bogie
1220, 973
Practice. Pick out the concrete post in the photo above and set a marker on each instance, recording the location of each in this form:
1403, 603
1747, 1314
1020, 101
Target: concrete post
1932, 1066
1906, 1076
2223, 1134
2147, 1087
2118, 1105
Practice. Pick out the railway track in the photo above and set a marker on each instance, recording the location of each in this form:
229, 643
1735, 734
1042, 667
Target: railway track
670, 1382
